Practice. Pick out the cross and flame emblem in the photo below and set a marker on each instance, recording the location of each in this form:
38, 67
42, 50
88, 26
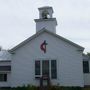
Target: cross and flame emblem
43, 46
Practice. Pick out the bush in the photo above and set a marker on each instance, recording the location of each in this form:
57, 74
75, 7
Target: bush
64, 88
29, 87
25, 88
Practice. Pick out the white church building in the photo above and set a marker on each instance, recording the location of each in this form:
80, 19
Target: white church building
47, 55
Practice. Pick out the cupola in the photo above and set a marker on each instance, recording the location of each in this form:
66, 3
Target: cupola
46, 19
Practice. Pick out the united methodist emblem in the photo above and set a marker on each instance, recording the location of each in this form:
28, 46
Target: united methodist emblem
43, 46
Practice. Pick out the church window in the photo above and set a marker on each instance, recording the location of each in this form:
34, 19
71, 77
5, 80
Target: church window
53, 69
5, 68
85, 66
46, 68
37, 67
3, 77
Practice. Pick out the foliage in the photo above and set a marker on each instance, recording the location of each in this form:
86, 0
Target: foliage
64, 88
49, 88
25, 88
88, 53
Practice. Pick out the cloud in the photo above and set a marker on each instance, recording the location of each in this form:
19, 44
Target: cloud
17, 20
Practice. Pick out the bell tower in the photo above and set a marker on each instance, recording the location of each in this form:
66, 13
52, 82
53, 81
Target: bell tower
46, 19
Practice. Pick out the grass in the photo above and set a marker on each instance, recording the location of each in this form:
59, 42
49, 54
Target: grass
51, 88
86, 89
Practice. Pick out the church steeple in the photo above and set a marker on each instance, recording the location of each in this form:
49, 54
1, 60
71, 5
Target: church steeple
45, 12
46, 19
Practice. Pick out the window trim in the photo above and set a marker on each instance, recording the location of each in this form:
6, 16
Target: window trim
49, 59
86, 72
4, 77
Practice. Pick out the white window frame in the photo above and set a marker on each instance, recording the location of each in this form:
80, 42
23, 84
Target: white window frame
41, 59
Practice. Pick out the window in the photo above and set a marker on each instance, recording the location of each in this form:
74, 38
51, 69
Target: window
3, 77
5, 68
46, 68
85, 66
53, 69
37, 67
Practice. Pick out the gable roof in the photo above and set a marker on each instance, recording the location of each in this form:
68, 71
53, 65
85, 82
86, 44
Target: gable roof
5, 55
42, 31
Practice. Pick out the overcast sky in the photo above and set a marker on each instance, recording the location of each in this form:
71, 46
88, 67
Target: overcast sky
17, 20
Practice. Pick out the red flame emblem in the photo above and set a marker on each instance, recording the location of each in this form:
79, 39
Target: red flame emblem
43, 46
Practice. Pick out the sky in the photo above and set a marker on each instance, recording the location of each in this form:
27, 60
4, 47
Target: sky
17, 20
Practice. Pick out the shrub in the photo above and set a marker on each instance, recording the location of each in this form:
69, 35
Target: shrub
64, 88
29, 87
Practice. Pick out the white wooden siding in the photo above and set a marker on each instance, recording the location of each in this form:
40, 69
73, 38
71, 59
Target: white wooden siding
69, 68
